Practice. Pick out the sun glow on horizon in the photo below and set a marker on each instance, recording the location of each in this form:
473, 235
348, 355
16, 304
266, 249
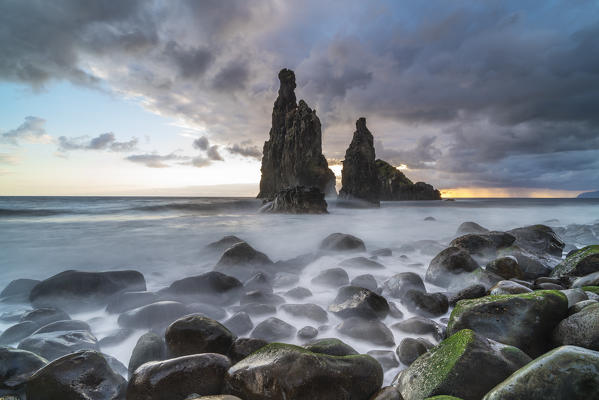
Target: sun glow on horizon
482, 192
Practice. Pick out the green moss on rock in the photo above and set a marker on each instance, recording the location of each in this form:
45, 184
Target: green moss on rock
593, 289
582, 262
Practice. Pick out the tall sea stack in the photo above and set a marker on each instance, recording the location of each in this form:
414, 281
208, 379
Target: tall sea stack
359, 176
292, 156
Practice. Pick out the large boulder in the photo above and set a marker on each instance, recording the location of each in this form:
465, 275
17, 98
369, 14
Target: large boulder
240, 323
394, 185
149, 347
243, 347
211, 287
310, 311
522, 320
292, 156
505, 267
533, 265
587, 280
273, 329
157, 315
470, 227
297, 200
195, 334
222, 244
283, 371
242, 261
16, 367
53, 345
342, 242
178, 378
18, 332
568, 372
483, 244
77, 290
76, 376
368, 330
129, 300
426, 304
580, 263
399, 284
333, 277
465, 365
448, 265
359, 177
18, 291
538, 239
330, 346
410, 349
580, 329
44, 316
353, 301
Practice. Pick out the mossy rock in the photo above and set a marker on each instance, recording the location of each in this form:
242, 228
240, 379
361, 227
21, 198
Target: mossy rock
523, 320
465, 365
285, 371
582, 262
592, 289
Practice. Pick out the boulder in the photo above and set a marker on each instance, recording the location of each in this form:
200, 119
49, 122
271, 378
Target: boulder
394, 185
448, 265
465, 365
353, 301
81, 375
242, 261
292, 156
369, 330
361, 262
273, 329
239, 324
522, 320
580, 306
330, 346
18, 332
310, 311
211, 287
18, 291
533, 265
587, 280
359, 177
16, 367
421, 326
508, 287
261, 297
426, 304
297, 200
366, 281
333, 277
115, 337
582, 262
223, 244
53, 345
177, 378
398, 285
67, 325
483, 244
410, 349
307, 332
579, 329
386, 358
153, 316
342, 242
243, 347
149, 347
44, 316
77, 290
207, 310
194, 334
568, 372
281, 371
471, 292
505, 267
299, 293
470, 227
129, 300
575, 296
538, 239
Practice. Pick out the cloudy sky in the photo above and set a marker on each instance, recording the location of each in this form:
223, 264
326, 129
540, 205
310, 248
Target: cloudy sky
140, 97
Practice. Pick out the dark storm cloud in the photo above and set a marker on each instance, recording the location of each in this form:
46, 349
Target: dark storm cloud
32, 129
245, 150
104, 141
211, 152
192, 62
232, 77
201, 143
422, 156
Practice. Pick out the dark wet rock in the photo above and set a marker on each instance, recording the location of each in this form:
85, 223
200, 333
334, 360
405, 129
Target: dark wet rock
386, 358
448, 265
361, 262
538, 239
223, 244
548, 286
330, 346
212, 287
366, 281
583, 262
382, 253
297, 200
532, 265
16, 367
115, 364
421, 326
399, 284
369, 330
18, 291
239, 324
210, 311
587, 280
387, 393
352, 301
287, 371
394, 185
259, 281
307, 332
483, 244
505, 267
18, 332
394, 311
243, 347
431, 218
255, 309
359, 177
77, 290
310, 311
67, 325
465, 365
299, 293
522, 320
284, 279
129, 300
523, 283
273, 329
471, 292
568, 372
508, 287
426, 304
53, 345
149, 347
153, 316
115, 337
580, 306
293, 265
292, 155
342, 242
81, 375
241, 261
470, 227
410, 349
261, 297
177, 378
580, 329
194, 334
333, 277
44, 316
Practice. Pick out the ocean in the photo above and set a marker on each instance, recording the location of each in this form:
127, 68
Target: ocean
164, 238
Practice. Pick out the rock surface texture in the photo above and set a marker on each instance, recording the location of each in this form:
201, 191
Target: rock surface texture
394, 185
292, 156
297, 200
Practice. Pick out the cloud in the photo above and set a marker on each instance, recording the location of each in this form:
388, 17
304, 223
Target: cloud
245, 151
104, 141
422, 156
8, 159
201, 143
32, 130
156, 160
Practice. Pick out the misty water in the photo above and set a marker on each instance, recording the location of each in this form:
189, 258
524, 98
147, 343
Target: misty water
164, 238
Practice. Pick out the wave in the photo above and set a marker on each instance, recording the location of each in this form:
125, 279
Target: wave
239, 205
6, 212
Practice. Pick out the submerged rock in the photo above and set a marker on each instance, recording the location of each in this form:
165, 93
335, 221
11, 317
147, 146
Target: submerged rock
273, 329
580, 263
242, 261
18, 332
292, 156
359, 176
297, 200
333, 277
399, 284
369, 330
195, 334
18, 291
212, 287
426, 304
448, 265
311, 311
538, 239
53, 345
240, 323
129, 300
465, 365
366, 281
223, 244
342, 242
153, 316
81, 375
353, 301
568, 372
149, 347
281, 371
394, 185
421, 326
44, 316
470, 227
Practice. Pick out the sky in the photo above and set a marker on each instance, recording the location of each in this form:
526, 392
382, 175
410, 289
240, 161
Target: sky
479, 99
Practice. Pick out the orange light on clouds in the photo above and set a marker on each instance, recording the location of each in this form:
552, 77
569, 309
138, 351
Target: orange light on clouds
507, 192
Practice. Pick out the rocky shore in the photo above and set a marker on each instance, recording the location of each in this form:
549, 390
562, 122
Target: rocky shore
495, 315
